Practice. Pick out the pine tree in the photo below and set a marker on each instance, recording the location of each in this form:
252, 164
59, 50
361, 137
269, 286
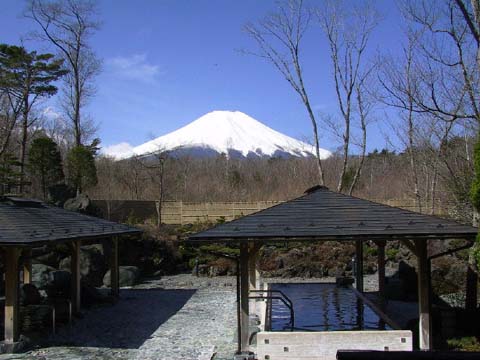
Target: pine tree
45, 161
82, 172
9, 173
28, 76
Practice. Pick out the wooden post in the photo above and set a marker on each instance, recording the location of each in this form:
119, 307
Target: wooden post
244, 306
252, 266
359, 264
381, 271
471, 289
27, 266
76, 276
11, 294
114, 280
425, 322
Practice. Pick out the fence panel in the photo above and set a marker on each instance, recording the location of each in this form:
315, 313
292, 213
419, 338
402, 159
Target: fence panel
178, 212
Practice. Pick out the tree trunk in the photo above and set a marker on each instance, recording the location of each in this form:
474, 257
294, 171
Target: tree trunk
23, 147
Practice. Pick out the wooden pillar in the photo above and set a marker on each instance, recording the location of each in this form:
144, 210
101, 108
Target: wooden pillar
76, 276
381, 271
27, 266
471, 295
359, 264
244, 302
253, 266
425, 321
114, 280
11, 294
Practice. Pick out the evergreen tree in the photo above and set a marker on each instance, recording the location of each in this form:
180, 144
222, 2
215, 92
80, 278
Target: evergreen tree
82, 172
27, 76
475, 194
45, 162
9, 174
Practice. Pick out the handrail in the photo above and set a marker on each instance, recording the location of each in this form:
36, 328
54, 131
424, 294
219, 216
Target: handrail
275, 291
285, 300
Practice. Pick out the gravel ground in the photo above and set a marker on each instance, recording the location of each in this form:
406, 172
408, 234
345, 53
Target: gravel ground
175, 317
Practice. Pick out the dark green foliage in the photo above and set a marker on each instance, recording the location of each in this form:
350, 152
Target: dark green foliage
28, 73
9, 173
475, 190
469, 343
348, 177
370, 250
45, 162
475, 195
59, 193
391, 253
82, 172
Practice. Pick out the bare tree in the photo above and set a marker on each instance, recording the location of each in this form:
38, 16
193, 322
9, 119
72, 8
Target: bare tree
447, 63
399, 84
279, 39
154, 163
68, 25
348, 30
471, 15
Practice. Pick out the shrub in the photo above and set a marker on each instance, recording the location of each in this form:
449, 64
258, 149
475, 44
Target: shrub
391, 254
469, 343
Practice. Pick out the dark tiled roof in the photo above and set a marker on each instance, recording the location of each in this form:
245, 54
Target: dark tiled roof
30, 222
324, 214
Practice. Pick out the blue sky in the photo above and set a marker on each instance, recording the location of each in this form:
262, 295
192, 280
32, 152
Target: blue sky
167, 62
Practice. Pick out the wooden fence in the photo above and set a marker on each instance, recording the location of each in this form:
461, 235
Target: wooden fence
178, 212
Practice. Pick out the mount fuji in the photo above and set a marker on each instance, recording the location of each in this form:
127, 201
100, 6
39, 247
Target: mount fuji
222, 132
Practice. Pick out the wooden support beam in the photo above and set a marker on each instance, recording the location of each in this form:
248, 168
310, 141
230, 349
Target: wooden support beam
76, 276
253, 265
27, 266
244, 302
425, 321
12, 276
359, 264
114, 269
381, 271
471, 293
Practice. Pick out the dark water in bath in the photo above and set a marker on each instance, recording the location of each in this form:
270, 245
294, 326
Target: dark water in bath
323, 307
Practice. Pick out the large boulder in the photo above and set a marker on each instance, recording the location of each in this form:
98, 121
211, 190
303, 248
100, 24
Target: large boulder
29, 295
127, 276
60, 285
81, 203
41, 277
92, 264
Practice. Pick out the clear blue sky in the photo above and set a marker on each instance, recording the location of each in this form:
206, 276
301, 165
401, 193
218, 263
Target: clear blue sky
167, 62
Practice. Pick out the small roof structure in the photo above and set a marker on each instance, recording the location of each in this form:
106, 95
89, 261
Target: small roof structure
322, 214
26, 222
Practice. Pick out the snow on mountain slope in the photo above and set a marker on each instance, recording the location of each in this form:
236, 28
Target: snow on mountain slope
229, 132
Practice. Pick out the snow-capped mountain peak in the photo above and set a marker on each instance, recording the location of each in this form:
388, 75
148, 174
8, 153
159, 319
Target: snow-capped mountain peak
230, 132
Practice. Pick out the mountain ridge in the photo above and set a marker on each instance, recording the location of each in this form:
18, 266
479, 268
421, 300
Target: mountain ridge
233, 133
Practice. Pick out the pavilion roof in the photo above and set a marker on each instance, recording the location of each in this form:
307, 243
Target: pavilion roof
26, 222
327, 215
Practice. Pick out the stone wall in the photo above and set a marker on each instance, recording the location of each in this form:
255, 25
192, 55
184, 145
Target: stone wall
324, 345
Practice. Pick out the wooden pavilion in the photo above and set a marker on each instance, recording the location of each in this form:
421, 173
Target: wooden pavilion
26, 224
322, 215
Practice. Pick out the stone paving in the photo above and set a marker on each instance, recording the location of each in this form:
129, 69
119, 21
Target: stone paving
176, 317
